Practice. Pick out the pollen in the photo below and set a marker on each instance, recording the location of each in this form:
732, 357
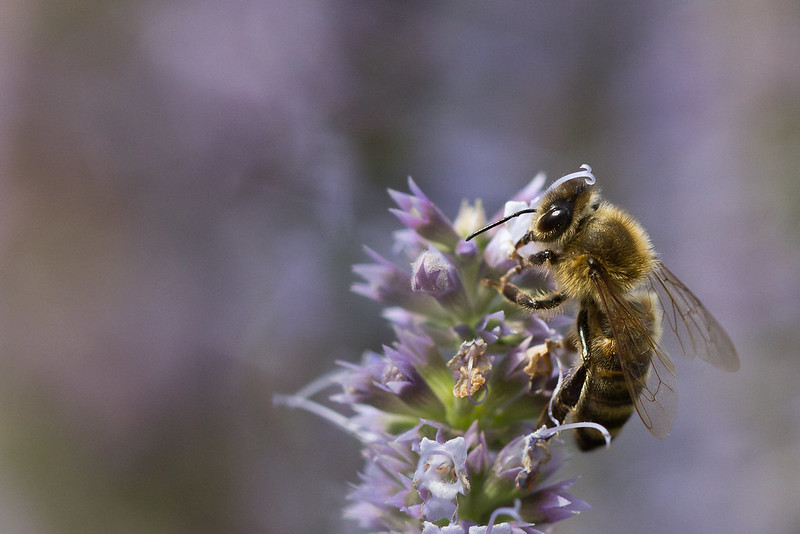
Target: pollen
473, 368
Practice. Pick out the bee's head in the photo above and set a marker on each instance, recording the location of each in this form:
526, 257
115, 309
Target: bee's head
559, 208
563, 206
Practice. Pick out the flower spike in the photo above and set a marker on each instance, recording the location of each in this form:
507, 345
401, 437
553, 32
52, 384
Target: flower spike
444, 413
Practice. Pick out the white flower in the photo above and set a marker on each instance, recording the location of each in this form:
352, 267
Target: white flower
440, 476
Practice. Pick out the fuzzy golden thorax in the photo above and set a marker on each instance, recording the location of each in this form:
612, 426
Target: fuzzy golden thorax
610, 241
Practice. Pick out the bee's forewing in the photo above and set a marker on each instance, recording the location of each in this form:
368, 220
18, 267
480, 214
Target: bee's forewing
688, 326
649, 373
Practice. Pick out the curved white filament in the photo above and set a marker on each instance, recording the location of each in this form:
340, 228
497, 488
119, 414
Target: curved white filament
585, 173
556, 389
507, 510
544, 433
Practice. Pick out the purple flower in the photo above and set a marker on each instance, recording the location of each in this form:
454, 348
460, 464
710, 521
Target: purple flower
552, 503
447, 413
492, 327
434, 275
441, 475
384, 498
430, 528
383, 280
419, 214
387, 283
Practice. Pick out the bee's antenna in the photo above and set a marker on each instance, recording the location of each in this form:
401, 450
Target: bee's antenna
501, 221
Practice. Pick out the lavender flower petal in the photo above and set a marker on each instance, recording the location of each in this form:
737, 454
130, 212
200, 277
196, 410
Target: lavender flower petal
418, 213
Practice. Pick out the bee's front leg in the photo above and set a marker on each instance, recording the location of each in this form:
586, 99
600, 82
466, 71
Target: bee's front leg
540, 258
517, 295
534, 260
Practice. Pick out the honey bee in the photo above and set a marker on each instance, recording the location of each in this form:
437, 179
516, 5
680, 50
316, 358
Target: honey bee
601, 258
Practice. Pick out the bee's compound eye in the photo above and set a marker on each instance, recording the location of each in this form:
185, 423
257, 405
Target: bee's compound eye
556, 219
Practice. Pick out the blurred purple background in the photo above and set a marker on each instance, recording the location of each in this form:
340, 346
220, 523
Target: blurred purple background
184, 186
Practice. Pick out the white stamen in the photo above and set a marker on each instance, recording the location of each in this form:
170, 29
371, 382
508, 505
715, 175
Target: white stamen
513, 512
586, 174
478, 402
343, 422
469, 385
320, 384
301, 400
555, 392
544, 433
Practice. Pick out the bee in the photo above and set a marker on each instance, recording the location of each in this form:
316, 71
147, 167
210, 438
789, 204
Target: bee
601, 258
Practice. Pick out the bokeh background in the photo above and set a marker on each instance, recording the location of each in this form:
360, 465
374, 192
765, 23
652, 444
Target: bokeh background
184, 186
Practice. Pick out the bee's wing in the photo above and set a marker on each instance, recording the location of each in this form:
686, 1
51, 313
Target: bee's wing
649, 373
690, 323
